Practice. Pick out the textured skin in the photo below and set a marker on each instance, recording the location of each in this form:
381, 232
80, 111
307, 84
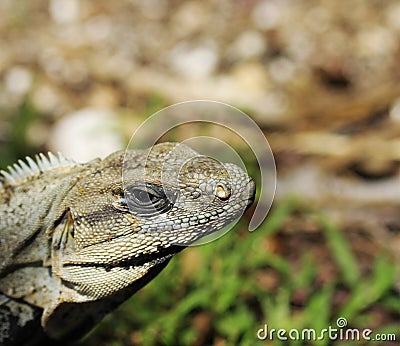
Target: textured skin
76, 240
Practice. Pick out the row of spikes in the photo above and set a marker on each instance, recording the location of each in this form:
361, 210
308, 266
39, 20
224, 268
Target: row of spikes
21, 170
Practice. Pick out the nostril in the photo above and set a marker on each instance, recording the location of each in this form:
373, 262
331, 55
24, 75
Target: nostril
222, 191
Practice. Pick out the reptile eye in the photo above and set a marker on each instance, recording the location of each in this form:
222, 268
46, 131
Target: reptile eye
145, 196
142, 196
145, 199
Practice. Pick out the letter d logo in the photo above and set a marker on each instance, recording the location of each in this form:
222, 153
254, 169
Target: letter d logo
262, 333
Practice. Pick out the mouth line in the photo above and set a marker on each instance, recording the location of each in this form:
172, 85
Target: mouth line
160, 256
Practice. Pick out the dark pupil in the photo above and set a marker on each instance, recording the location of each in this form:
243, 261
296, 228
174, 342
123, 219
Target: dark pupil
143, 196
146, 199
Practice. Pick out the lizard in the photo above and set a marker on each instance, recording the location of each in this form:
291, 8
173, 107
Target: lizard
78, 239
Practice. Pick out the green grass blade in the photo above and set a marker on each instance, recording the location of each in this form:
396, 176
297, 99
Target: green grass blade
341, 253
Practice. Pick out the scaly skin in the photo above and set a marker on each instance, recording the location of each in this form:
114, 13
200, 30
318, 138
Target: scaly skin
79, 239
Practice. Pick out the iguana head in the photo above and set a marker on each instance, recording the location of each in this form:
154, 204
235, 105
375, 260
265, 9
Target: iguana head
129, 215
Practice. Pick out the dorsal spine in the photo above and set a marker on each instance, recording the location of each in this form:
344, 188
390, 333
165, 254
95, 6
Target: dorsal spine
22, 170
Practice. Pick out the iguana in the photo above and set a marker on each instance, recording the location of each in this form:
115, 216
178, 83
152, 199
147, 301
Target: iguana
76, 240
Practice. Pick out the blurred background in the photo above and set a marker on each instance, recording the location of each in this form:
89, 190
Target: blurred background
320, 78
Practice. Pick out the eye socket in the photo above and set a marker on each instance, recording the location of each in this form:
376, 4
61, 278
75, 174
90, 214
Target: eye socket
145, 196
142, 196
145, 199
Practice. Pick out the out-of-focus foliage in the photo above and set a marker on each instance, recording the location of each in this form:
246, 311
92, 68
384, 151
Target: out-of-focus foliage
222, 293
321, 79
17, 143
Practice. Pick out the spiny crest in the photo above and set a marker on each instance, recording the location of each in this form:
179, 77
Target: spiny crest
22, 170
